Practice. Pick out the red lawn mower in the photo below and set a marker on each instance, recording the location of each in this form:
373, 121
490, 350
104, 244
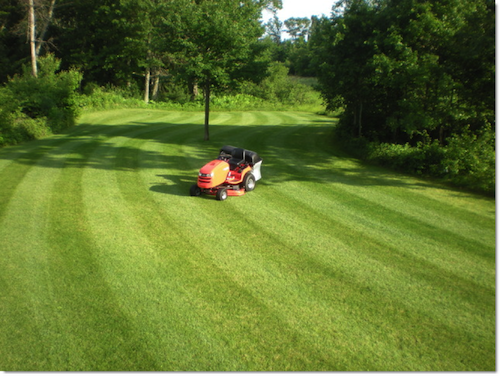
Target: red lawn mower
233, 173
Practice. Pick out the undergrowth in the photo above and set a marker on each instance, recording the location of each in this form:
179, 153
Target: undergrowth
32, 108
466, 161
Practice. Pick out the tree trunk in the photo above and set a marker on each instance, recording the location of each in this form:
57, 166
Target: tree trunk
31, 23
156, 84
193, 89
354, 119
146, 85
45, 26
359, 118
207, 109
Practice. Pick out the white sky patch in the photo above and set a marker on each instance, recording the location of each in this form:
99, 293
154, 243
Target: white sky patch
305, 8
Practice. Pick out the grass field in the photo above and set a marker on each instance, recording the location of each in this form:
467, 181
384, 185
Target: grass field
107, 263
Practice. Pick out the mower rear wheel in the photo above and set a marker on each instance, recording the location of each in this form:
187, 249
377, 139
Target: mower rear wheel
195, 190
221, 194
249, 182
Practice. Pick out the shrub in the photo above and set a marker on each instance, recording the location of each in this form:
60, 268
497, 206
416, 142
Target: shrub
32, 107
236, 102
278, 87
469, 160
100, 98
421, 159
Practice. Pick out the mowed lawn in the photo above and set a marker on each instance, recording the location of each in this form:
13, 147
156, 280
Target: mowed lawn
107, 263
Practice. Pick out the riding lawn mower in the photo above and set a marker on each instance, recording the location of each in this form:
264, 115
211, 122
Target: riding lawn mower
233, 173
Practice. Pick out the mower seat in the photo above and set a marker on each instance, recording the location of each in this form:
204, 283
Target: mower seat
237, 159
225, 152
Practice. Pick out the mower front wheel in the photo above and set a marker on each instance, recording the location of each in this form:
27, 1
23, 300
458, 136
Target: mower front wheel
195, 190
221, 194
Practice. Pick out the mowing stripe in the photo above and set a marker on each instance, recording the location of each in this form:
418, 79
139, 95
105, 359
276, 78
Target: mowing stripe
123, 263
107, 263
193, 250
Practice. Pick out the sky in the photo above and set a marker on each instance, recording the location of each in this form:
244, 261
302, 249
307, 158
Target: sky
305, 8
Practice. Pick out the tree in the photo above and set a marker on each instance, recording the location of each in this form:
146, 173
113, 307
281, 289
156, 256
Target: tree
320, 39
93, 35
217, 39
274, 27
344, 73
150, 42
405, 70
46, 14
13, 48
28, 19
297, 27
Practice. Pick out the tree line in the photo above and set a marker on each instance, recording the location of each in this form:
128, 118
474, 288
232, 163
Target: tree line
416, 82
413, 81
205, 43
407, 70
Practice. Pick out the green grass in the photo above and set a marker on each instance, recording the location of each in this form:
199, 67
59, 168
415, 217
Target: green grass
107, 263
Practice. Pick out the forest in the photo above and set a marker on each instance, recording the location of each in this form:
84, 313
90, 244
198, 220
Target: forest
412, 82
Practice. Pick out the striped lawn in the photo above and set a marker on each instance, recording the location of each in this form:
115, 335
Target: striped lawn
107, 263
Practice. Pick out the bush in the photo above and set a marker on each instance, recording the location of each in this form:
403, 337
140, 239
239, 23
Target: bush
469, 160
421, 159
100, 98
32, 107
278, 87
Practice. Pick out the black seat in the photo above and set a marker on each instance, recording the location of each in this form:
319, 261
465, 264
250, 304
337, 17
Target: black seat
225, 152
237, 158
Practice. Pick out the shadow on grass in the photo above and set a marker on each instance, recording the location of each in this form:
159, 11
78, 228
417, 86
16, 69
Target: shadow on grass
298, 152
177, 185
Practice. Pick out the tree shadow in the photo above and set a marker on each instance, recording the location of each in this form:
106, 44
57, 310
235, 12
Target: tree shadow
177, 185
299, 152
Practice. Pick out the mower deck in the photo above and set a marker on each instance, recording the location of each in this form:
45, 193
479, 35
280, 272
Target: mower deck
230, 191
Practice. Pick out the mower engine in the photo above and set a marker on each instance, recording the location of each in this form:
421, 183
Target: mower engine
233, 173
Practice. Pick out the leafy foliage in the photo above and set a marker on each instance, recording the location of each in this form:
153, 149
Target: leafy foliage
421, 159
217, 42
297, 28
279, 87
470, 160
32, 107
419, 75
403, 69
